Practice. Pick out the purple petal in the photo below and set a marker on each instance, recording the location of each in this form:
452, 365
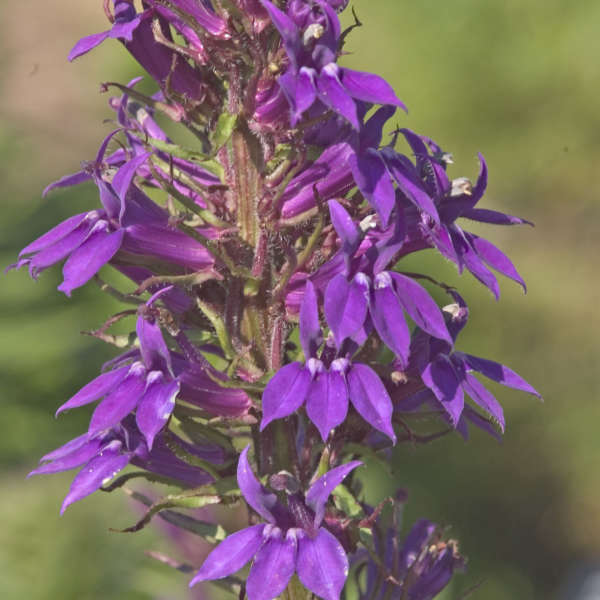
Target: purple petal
473, 417
481, 396
306, 90
286, 27
436, 577
322, 565
154, 350
101, 469
473, 262
346, 305
71, 460
409, 184
332, 94
417, 537
67, 181
120, 402
482, 181
327, 401
87, 260
204, 16
198, 389
84, 45
60, 250
310, 329
375, 183
370, 398
124, 29
55, 234
166, 243
321, 489
231, 554
388, 317
420, 306
156, 406
272, 568
347, 230
124, 176
496, 259
98, 387
484, 215
67, 448
370, 135
497, 372
441, 378
300, 91
255, 494
370, 88
443, 242
285, 393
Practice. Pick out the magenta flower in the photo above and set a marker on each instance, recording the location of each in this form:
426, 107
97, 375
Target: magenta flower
293, 539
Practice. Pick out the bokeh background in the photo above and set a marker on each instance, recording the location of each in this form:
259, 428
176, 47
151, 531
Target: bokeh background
518, 80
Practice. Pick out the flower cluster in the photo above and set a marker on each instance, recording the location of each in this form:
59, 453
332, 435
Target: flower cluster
272, 311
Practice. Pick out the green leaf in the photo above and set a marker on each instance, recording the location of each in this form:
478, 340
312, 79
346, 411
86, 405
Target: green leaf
211, 532
366, 537
207, 161
368, 454
347, 503
195, 498
123, 479
226, 124
282, 152
200, 433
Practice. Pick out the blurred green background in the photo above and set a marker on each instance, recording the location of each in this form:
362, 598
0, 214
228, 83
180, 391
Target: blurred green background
517, 80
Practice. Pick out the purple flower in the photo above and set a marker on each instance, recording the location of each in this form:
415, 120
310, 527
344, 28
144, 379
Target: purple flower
326, 384
363, 289
453, 199
129, 223
104, 454
135, 31
310, 34
292, 540
446, 376
86, 240
147, 386
126, 21
419, 569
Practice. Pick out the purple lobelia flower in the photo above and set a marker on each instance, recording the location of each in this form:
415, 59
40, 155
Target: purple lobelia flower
104, 454
446, 376
418, 569
129, 223
136, 32
452, 199
326, 384
233, 235
293, 539
364, 289
147, 386
86, 240
310, 34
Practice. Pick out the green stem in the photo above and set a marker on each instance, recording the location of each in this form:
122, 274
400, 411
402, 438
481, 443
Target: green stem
220, 329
